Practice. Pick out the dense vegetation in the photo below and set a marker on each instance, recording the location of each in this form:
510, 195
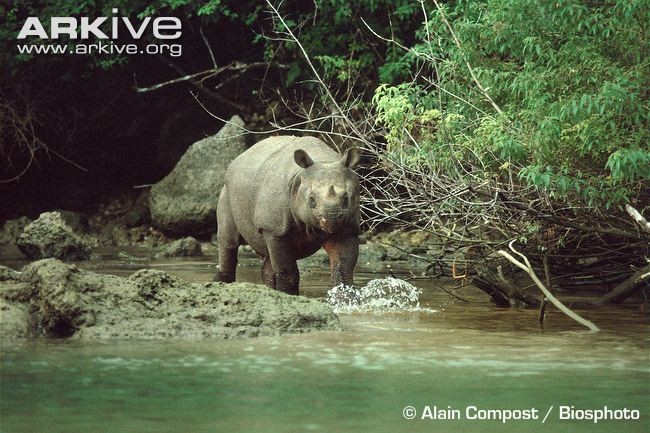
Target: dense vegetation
560, 96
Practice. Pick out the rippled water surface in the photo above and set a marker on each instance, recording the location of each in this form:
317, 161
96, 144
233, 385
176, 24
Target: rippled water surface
448, 354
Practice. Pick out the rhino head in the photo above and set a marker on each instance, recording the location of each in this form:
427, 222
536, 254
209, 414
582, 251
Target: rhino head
325, 195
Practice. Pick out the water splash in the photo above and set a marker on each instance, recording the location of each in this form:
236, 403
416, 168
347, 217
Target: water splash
384, 294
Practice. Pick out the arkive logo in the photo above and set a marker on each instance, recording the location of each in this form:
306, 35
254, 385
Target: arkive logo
83, 28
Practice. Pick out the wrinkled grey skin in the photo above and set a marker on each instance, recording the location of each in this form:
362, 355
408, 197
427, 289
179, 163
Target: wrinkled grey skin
287, 197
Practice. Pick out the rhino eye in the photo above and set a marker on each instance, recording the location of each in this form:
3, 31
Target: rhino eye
312, 201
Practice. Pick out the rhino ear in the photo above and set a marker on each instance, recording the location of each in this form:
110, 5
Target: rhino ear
351, 157
302, 159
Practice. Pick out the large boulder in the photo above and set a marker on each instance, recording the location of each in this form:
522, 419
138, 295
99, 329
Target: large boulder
51, 236
61, 300
185, 201
186, 247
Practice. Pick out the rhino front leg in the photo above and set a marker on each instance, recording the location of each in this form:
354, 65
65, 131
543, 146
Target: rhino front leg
283, 264
343, 252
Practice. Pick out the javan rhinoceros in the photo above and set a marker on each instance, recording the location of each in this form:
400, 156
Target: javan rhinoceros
287, 197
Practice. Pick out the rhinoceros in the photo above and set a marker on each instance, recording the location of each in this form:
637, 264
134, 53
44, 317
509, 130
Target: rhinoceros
287, 197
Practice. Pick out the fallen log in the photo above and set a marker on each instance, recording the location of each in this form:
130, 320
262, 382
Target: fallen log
501, 291
627, 288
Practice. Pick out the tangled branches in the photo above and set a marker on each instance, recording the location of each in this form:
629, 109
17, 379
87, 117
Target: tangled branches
472, 206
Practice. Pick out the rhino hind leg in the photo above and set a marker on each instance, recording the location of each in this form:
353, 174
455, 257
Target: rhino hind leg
228, 240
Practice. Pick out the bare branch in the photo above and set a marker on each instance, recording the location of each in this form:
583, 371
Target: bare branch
207, 44
526, 267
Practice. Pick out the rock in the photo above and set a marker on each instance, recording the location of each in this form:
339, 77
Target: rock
12, 229
14, 321
14, 290
185, 201
8, 273
51, 236
113, 234
186, 247
62, 296
371, 253
150, 283
77, 221
62, 300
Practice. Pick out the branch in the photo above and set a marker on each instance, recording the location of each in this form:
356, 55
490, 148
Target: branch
207, 44
643, 223
208, 73
529, 270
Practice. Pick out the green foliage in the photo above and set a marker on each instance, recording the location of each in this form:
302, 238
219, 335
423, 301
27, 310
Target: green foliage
418, 127
570, 78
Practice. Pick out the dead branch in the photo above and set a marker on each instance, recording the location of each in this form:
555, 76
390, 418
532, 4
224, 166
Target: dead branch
292, 37
501, 291
208, 46
239, 67
525, 266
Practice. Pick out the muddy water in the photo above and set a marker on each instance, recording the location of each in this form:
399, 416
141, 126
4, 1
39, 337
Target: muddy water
459, 358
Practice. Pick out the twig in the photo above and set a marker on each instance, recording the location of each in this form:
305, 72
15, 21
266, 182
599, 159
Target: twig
542, 306
208, 73
450, 293
170, 82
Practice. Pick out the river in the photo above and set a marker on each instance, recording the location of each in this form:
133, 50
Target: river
449, 359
